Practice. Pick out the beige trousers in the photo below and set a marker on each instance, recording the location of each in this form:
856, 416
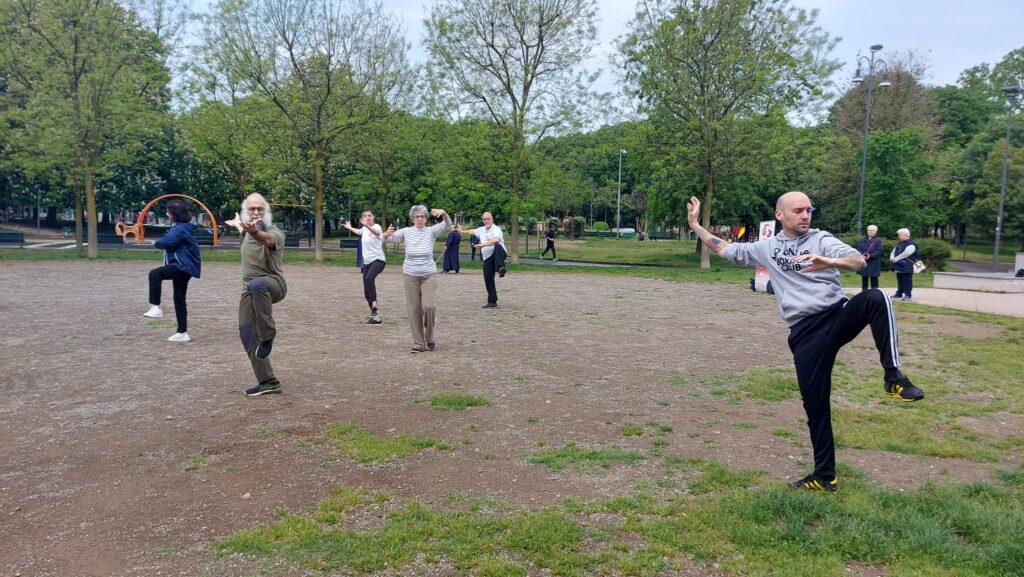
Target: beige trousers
419, 300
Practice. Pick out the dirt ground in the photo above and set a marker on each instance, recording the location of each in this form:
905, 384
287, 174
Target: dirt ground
100, 414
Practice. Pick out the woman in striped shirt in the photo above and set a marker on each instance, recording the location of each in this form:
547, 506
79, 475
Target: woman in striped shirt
419, 270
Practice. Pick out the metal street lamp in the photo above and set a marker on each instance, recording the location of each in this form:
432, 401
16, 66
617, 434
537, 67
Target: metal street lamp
618, 199
871, 63
1011, 92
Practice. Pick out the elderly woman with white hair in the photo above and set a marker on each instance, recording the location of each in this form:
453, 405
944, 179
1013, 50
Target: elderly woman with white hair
420, 272
870, 247
903, 258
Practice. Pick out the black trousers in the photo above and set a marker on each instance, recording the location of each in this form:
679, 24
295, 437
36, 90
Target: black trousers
815, 342
491, 265
551, 247
864, 282
904, 284
370, 272
179, 279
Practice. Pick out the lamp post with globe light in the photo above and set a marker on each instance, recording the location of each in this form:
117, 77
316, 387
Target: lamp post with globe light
872, 64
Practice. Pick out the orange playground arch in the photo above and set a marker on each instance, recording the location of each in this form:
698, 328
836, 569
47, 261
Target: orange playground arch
138, 230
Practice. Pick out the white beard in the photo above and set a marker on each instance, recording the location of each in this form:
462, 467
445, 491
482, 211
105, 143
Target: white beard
268, 217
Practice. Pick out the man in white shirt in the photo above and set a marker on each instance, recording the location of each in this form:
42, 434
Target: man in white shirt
492, 251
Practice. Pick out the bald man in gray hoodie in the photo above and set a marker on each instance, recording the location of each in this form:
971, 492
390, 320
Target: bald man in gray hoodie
804, 265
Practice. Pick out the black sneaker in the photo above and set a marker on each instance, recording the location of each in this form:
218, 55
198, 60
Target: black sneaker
812, 483
903, 390
431, 346
490, 306
374, 321
263, 351
269, 387
502, 271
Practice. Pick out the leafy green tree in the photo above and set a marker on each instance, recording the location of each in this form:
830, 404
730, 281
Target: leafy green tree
703, 66
88, 74
900, 191
986, 193
519, 65
328, 67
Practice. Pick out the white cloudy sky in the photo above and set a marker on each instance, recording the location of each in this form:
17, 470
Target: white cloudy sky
953, 34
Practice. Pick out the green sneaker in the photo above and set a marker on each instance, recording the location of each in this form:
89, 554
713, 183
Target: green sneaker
812, 483
268, 387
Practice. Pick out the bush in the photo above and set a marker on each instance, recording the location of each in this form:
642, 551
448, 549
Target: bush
601, 226
577, 225
554, 223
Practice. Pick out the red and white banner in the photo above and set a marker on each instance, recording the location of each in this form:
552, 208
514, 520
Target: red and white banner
766, 230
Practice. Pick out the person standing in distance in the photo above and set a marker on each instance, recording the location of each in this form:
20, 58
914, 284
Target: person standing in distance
493, 253
903, 257
871, 248
804, 265
263, 285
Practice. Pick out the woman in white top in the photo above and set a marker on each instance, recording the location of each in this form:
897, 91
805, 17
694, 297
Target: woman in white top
372, 244
419, 270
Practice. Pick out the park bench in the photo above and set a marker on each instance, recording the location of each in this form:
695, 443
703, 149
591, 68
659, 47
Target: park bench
291, 241
12, 238
352, 243
204, 237
661, 235
597, 233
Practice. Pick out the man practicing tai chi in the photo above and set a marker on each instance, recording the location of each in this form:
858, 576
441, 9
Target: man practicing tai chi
263, 285
492, 250
804, 266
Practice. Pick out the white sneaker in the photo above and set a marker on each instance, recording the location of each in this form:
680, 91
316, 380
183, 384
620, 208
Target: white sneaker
179, 338
154, 312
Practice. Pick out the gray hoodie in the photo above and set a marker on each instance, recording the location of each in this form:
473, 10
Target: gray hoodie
799, 294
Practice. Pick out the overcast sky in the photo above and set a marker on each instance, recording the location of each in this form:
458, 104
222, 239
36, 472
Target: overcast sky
952, 34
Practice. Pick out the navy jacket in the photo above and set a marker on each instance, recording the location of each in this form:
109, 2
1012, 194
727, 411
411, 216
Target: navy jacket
905, 265
873, 249
180, 248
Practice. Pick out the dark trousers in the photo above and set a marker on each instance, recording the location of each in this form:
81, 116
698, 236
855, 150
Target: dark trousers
864, 282
256, 320
179, 280
815, 342
551, 247
370, 273
491, 266
904, 284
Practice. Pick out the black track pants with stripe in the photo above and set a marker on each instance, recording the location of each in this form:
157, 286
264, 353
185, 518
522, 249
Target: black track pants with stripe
815, 342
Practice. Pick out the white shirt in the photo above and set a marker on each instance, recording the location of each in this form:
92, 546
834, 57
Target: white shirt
419, 248
485, 234
372, 245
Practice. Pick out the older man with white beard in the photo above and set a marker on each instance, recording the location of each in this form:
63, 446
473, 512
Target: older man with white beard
262, 249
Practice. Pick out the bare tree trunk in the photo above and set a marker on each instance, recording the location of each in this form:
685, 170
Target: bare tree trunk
90, 207
78, 218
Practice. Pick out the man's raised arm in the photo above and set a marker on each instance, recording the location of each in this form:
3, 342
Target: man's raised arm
714, 243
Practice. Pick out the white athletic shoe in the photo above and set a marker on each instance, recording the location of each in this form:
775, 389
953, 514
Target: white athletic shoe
154, 312
179, 338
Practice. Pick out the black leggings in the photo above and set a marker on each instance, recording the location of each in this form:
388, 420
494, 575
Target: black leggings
864, 282
370, 272
904, 284
551, 247
179, 279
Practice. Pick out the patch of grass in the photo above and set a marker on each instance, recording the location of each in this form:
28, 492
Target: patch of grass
532, 420
584, 459
457, 401
194, 461
632, 431
784, 433
745, 426
161, 325
912, 432
676, 379
730, 518
360, 444
770, 385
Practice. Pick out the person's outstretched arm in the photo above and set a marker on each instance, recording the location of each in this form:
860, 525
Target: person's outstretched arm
715, 244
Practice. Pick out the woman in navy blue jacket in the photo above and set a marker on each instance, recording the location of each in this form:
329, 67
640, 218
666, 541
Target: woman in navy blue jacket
181, 263
870, 247
903, 258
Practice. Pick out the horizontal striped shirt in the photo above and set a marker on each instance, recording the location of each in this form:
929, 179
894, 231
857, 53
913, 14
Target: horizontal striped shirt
419, 248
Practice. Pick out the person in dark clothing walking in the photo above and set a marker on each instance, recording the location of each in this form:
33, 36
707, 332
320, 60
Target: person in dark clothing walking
550, 237
804, 264
870, 247
182, 262
451, 252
